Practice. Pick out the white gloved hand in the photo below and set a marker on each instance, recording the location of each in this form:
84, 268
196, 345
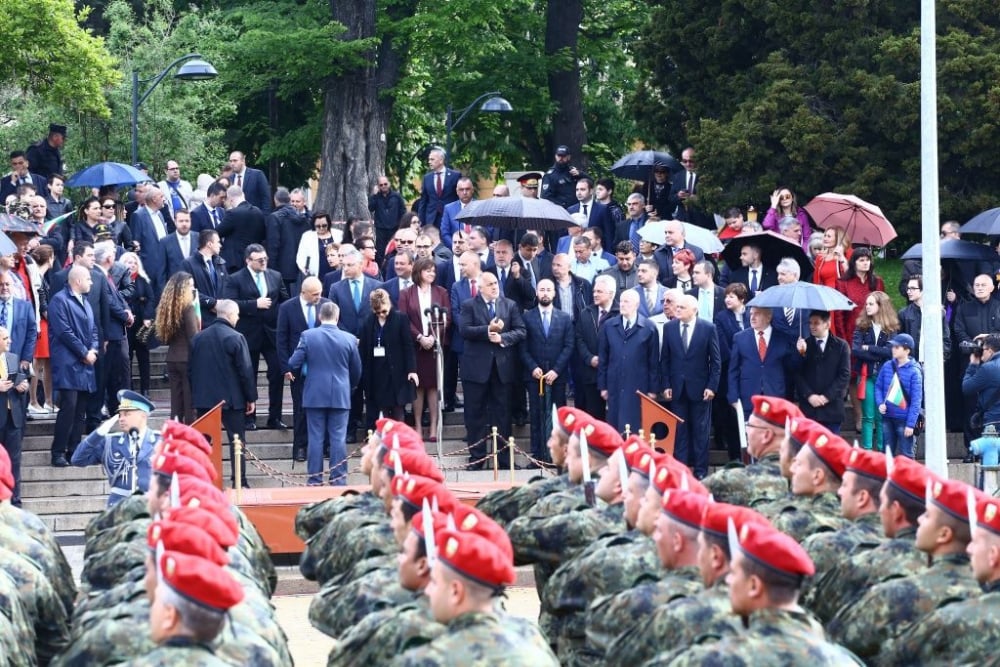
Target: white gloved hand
108, 424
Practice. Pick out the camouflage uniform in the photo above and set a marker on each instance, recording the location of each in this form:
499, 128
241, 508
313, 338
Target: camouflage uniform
505, 505
41, 604
13, 539
29, 524
386, 633
802, 516
676, 626
891, 607
373, 539
178, 651
846, 583
18, 626
609, 614
341, 603
341, 525
778, 637
827, 549
481, 639
311, 519
964, 632
758, 482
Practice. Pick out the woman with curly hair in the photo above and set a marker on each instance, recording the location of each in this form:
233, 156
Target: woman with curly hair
176, 324
876, 325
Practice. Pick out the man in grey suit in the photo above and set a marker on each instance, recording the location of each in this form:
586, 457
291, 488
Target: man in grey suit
324, 353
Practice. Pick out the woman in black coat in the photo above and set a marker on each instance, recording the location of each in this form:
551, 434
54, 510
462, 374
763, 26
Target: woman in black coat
143, 307
388, 361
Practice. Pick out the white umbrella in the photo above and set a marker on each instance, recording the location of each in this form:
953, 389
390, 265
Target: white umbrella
655, 232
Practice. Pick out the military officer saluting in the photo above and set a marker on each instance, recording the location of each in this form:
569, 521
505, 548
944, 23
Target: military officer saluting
125, 456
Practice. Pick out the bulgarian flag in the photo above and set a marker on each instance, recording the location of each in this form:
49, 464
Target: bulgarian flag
895, 393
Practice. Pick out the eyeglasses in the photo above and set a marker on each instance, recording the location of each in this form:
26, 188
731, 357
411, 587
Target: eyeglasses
367, 247
382, 312
423, 247
912, 289
786, 196
404, 242
258, 260
322, 226
107, 205
172, 168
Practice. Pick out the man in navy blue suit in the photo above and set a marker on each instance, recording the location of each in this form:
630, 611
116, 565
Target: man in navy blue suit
465, 288
253, 182
294, 317
209, 214
209, 273
20, 175
18, 317
597, 214
628, 354
352, 296
149, 226
545, 355
690, 366
439, 188
759, 358
177, 247
449, 225
402, 269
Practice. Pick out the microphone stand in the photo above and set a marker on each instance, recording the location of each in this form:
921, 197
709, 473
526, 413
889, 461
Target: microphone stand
438, 318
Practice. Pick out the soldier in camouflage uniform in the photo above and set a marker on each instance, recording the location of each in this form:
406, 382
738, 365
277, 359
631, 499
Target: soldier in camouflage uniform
901, 502
888, 609
768, 569
762, 480
470, 569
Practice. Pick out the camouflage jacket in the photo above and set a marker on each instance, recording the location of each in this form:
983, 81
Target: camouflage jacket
349, 518
888, 609
251, 544
372, 539
758, 482
129, 509
777, 637
177, 652
706, 616
483, 640
851, 578
311, 519
802, 516
828, 549
338, 606
49, 562
568, 499
505, 505
29, 524
19, 626
115, 636
386, 633
960, 633
41, 604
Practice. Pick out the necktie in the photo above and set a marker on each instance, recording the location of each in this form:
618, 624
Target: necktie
789, 315
628, 325
473, 290
753, 281
492, 309
531, 274
603, 316
649, 300
585, 210
239, 180
310, 315
503, 280
356, 292
212, 272
439, 186
684, 336
545, 323
690, 183
3, 314
3, 375
761, 345
822, 343
215, 218
260, 283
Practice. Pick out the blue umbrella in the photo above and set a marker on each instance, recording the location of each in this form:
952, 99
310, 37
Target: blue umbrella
106, 173
987, 222
802, 295
639, 165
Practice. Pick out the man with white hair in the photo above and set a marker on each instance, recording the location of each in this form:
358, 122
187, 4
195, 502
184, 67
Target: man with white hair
628, 362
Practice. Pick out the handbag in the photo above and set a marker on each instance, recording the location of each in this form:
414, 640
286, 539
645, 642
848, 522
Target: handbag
146, 335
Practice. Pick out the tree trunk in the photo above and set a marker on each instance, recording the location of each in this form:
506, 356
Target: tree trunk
562, 28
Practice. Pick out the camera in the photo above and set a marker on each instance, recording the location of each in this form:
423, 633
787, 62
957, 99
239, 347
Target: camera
971, 347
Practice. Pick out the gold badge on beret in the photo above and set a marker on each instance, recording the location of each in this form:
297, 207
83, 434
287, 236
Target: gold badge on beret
854, 456
157, 530
991, 511
469, 522
588, 430
765, 407
744, 530
171, 567
937, 489
451, 547
821, 441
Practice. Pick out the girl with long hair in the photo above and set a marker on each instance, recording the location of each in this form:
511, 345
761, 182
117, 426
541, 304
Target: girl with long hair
176, 324
870, 348
784, 204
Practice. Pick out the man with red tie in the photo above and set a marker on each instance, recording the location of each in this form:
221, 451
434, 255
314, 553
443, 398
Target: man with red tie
438, 189
760, 357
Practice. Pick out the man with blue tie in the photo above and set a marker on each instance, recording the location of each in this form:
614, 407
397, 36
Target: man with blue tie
209, 214
294, 317
690, 366
209, 273
545, 355
628, 362
711, 298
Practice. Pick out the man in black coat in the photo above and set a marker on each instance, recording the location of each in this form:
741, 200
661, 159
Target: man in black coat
209, 272
251, 181
387, 207
285, 227
220, 371
588, 324
178, 246
45, 156
242, 225
259, 291
821, 381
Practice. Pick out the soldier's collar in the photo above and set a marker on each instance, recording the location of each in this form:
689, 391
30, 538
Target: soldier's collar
990, 586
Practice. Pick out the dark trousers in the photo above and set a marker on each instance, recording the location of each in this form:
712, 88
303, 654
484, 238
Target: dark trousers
587, 397
234, 422
450, 377
357, 410
117, 372
540, 410
69, 421
300, 432
275, 381
486, 406
141, 353
180, 391
691, 443
94, 402
727, 434
10, 439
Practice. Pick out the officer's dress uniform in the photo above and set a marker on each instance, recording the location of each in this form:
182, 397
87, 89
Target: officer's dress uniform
122, 460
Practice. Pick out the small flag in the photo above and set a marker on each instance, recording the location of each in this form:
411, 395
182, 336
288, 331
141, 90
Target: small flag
895, 394
48, 225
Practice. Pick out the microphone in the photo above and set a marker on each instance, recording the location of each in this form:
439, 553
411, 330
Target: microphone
133, 433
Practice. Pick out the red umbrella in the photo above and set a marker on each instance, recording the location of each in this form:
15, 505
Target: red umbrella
864, 223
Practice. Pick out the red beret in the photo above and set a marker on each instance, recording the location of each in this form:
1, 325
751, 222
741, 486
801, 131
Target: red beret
467, 518
910, 477
195, 492
952, 496
799, 429
774, 410
715, 518
6, 475
602, 438
684, 506
829, 448
765, 544
638, 454
414, 462
200, 580
413, 489
173, 430
386, 428
570, 418
168, 463
217, 521
670, 471
868, 463
988, 513
186, 538
190, 451
476, 557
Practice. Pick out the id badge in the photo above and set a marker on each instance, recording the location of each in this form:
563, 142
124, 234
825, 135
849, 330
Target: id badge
379, 351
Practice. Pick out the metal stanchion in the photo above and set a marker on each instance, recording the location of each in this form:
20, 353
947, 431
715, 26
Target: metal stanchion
437, 317
238, 467
628, 430
510, 453
496, 459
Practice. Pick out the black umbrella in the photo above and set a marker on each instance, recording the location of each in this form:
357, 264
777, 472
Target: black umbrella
987, 222
773, 248
955, 249
639, 165
516, 213
13, 223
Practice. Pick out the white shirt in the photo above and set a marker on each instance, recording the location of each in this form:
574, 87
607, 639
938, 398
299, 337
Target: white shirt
158, 225
185, 243
424, 298
767, 336
305, 311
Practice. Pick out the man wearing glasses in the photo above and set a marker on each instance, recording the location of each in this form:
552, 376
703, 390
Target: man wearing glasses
387, 207
177, 192
259, 291
684, 194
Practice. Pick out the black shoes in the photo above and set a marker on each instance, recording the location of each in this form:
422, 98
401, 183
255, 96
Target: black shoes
299, 455
251, 426
277, 425
59, 461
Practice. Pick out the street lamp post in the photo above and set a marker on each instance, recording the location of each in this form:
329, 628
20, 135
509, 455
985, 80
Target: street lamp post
493, 104
194, 68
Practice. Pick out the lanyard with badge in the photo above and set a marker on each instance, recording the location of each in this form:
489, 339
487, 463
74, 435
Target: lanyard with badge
379, 351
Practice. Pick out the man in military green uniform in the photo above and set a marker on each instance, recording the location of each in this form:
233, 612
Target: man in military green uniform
762, 480
889, 608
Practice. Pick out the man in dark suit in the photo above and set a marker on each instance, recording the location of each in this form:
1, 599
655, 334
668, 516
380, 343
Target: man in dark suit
285, 227
465, 288
588, 324
402, 265
545, 355
353, 298
449, 225
114, 370
252, 182
439, 188
20, 175
690, 369
323, 353
711, 298
294, 317
491, 327
628, 361
18, 317
73, 346
753, 273
149, 225
533, 258
674, 241
242, 225
209, 272
14, 410
597, 214
759, 358
649, 290
177, 247
793, 322
684, 194
822, 379
209, 214
220, 371
259, 291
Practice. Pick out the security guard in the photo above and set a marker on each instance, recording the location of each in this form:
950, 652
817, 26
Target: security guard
125, 456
